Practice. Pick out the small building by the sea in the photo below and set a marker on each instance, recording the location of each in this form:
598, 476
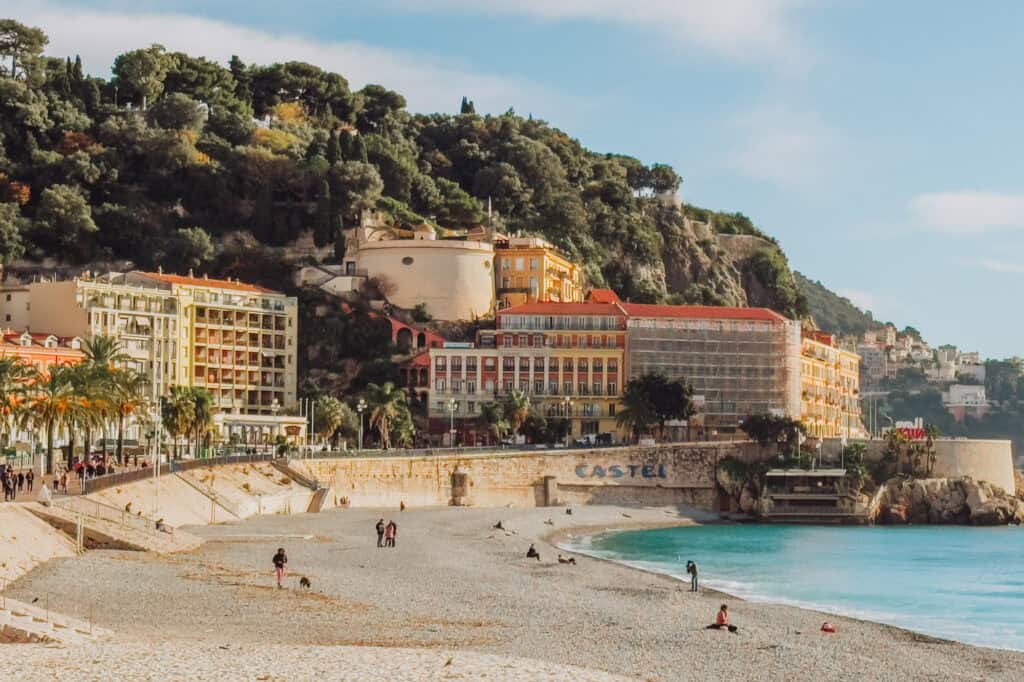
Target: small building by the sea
811, 496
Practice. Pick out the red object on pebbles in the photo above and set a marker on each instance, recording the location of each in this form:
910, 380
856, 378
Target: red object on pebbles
828, 627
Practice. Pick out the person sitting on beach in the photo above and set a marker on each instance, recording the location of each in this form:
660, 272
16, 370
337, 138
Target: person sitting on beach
563, 560
163, 527
722, 621
532, 553
280, 561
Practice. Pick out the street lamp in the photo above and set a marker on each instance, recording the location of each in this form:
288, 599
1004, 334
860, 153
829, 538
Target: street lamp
453, 405
360, 408
567, 402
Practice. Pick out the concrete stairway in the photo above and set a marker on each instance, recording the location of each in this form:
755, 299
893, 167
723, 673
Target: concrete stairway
297, 476
106, 526
24, 623
316, 503
215, 497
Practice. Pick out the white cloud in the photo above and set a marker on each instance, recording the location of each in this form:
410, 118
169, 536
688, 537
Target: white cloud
783, 147
968, 211
740, 30
862, 299
1000, 266
429, 84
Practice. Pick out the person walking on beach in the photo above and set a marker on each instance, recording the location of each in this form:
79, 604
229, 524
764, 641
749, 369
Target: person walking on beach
691, 568
380, 533
390, 532
722, 621
280, 561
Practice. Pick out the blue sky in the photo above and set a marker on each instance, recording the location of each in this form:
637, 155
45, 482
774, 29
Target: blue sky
879, 142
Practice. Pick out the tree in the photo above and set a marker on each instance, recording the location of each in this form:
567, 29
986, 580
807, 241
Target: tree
653, 399
128, 394
333, 418
191, 248
467, 106
637, 412
333, 148
202, 405
177, 413
235, 127
140, 74
22, 45
770, 429
176, 112
322, 222
492, 419
388, 406
63, 218
516, 408
11, 223
14, 377
51, 406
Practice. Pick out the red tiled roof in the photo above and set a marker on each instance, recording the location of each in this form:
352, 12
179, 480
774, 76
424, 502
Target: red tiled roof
602, 296
701, 312
204, 282
555, 308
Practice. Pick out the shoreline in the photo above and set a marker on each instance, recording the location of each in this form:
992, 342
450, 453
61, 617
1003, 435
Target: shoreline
456, 584
558, 538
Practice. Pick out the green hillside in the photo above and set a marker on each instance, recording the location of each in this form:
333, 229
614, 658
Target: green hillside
834, 313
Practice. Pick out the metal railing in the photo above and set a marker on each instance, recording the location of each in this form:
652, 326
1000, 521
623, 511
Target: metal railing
105, 512
98, 483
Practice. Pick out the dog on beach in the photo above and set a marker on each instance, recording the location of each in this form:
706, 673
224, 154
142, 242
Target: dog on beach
304, 583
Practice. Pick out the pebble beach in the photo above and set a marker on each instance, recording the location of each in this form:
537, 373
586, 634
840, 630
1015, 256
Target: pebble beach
455, 599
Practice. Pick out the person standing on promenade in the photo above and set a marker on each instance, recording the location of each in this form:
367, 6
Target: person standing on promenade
64, 482
21, 481
380, 533
280, 561
390, 532
30, 478
691, 568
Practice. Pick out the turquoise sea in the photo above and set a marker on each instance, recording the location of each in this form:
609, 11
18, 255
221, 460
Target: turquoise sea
956, 582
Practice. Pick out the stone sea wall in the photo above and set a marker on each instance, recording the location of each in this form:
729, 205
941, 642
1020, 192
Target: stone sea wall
666, 474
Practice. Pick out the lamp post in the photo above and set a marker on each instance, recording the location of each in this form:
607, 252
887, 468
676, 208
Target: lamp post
567, 402
453, 405
275, 407
360, 408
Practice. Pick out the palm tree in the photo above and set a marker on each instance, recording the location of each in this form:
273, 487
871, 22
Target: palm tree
636, 412
202, 415
516, 409
388, 405
14, 376
102, 355
492, 418
104, 351
53, 405
128, 394
92, 397
177, 414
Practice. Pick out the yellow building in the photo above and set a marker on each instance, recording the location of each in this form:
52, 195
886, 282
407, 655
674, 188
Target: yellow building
830, 388
530, 270
236, 340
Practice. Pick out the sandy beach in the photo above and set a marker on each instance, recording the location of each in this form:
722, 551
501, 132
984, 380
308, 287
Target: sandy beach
456, 599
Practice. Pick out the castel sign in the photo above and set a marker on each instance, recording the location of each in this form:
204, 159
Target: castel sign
621, 471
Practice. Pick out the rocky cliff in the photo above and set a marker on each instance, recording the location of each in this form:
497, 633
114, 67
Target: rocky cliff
947, 501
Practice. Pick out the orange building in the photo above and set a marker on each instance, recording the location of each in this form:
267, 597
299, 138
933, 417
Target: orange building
529, 269
42, 351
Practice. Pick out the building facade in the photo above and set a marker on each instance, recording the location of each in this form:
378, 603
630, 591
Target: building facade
567, 357
740, 361
530, 270
830, 388
41, 351
236, 340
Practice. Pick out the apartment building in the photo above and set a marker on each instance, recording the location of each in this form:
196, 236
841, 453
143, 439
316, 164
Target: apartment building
830, 388
740, 361
41, 351
529, 269
237, 340
567, 357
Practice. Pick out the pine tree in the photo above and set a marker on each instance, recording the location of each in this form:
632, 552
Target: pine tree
322, 221
339, 245
358, 149
467, 106
77, 75
333, 149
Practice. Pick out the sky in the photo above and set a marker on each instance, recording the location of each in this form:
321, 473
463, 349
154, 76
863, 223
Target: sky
879, 142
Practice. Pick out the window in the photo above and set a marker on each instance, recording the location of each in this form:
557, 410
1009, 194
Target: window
533, 266
506, 340
567, 365
552, 364
598, 365
440, 406
583, 388
456, 386
439, 385
538, 341
471, 386
613, 365
441, 364
611, 410
533, 286
568, 387
588, 409
489, 364
507, 386
471, 407
538, 386
505, 283
524, 340
508, 263
597, 388
470, 364
520, 263
457, 364
489, 386
583, 365
508, 364
611, 388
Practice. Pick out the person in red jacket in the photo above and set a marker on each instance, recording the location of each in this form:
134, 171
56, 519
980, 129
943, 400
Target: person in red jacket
722, 621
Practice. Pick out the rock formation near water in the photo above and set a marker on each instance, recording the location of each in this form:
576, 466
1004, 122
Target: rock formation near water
947, 501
